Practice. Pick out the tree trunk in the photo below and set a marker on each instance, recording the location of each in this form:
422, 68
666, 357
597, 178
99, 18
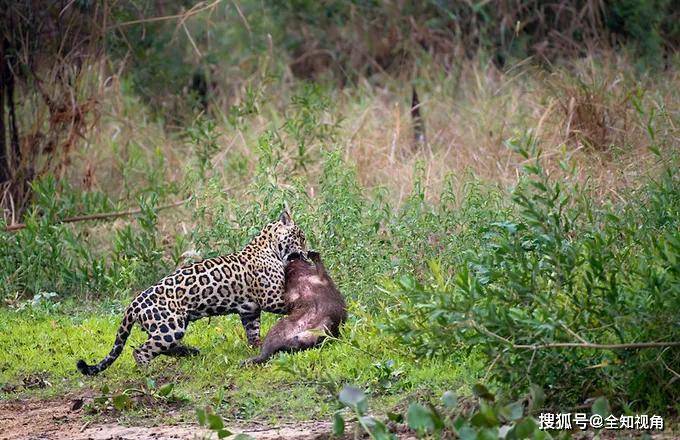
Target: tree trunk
4, 155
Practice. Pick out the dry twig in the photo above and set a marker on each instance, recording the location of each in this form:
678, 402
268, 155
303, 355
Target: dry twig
629, 346
105, 215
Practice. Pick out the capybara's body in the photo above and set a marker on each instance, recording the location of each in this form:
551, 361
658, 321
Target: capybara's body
316, 307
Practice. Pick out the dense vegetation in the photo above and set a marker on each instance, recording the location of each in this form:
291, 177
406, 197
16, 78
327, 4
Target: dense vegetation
529, 240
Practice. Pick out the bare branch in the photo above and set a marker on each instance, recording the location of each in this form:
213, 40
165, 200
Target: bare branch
628, 346
105, 215
193, 11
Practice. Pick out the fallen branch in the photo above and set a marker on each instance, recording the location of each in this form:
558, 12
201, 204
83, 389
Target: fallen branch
629, 346
199, 7
105, 215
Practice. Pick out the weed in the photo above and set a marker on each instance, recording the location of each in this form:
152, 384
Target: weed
147, 394
203, 136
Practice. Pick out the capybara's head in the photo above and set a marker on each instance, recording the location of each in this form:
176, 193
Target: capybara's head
297, 264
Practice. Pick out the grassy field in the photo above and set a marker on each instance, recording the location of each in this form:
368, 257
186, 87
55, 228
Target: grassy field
42, 343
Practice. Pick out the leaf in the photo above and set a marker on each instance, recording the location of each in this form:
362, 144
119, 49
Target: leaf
223, 433
150, 383
467, 433
215, 422
105, 389
601, 407
486, 416
510, 227
121, 401
482, 392
437, 419
407, 283
376, 428
338, 424
537, 397
166, 389
450, 399
395, 417
513, 411
353, 398
525, 428
436, 270
200, 414
487, 434
419, 418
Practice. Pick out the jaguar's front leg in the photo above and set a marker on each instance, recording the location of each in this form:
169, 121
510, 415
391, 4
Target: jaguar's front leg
251, 323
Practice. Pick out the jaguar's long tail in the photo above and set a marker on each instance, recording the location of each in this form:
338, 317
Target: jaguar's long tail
122, 335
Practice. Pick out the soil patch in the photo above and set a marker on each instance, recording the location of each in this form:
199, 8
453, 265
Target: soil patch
63, 419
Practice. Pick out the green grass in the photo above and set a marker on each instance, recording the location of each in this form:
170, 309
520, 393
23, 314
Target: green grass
46, 342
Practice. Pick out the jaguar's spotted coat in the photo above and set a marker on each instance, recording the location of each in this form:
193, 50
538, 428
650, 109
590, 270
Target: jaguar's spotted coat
245, 282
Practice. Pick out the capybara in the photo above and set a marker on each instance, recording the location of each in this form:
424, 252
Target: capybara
316, 308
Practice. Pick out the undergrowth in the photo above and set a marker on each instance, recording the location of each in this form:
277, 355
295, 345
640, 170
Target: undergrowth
554, 285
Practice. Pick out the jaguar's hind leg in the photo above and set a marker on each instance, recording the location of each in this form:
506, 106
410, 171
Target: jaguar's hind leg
250, 318
147, 351
163, 339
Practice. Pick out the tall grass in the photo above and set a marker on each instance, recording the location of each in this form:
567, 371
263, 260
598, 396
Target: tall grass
320, 149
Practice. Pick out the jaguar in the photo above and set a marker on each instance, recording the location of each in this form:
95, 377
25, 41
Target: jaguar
245, 282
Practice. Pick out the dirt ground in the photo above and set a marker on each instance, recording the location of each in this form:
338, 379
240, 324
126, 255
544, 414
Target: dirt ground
63, 419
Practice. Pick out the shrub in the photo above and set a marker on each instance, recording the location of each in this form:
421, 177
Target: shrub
50, 256
553, 281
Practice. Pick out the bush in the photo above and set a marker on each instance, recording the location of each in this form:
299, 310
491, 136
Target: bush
562, 270
645, 24
50, 256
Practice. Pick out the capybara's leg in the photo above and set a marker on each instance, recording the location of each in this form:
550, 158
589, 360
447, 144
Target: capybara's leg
274, 341
270, 347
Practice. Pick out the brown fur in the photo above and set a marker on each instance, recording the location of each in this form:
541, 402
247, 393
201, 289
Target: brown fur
316, 307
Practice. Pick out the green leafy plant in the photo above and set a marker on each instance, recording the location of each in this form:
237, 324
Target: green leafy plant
209, 419
355, 400
147, 393
582, 297
489, 418
203, 135
306, 123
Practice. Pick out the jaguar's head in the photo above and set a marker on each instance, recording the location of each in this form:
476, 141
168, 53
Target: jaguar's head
290, 237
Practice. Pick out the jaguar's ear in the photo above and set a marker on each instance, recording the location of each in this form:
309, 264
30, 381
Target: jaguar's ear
285, 217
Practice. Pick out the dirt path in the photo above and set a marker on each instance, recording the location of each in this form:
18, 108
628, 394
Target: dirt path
56, 420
